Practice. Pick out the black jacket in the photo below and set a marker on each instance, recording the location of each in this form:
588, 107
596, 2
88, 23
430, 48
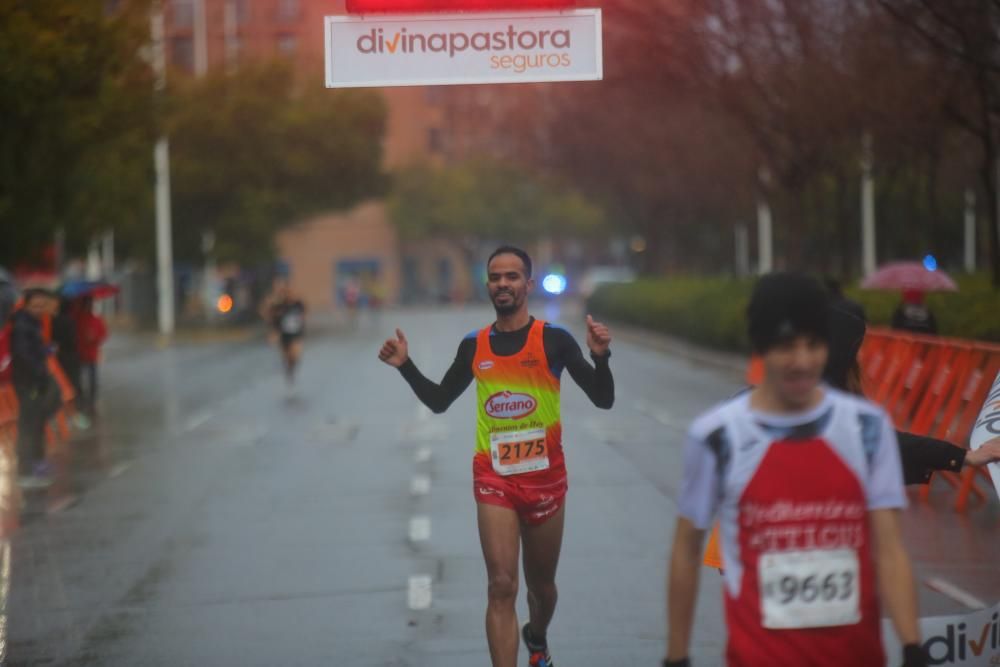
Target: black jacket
28, 356
919, 454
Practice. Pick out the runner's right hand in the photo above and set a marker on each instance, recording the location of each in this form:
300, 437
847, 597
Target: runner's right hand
395, 351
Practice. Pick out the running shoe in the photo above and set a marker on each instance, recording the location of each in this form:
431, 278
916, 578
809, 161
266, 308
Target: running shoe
538, 654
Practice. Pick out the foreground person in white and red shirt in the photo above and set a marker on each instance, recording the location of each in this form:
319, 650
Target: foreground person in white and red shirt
806, 483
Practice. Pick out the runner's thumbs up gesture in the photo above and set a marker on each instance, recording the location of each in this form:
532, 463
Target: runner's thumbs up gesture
395, 351
598, 337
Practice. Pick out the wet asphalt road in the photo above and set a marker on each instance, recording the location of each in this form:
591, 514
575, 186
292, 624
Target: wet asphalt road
214, 518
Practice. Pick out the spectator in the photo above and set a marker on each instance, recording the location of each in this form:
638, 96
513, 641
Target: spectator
913, 315
64, 335
91, 332
37, 391
841, 301
8, 297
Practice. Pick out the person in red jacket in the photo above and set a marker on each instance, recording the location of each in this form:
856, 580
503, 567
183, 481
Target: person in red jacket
91, 334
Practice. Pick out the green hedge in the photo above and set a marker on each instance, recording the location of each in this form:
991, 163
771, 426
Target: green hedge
710, 311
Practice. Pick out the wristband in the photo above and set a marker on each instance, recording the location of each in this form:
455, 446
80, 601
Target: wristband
683, 662
914, 656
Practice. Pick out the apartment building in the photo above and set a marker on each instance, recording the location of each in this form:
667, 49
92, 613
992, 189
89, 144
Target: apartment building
328, 252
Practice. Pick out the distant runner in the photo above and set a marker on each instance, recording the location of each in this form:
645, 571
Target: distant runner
807, 485
519, 476
286, 316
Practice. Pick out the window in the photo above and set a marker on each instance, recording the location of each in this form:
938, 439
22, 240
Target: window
433, 95
234, 47
242, 10
435, 140
182, 53
287, 45
288, 10
183, 14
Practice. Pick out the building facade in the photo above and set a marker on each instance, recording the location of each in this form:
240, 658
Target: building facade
327, 254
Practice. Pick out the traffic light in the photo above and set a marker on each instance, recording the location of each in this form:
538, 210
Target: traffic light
417, 6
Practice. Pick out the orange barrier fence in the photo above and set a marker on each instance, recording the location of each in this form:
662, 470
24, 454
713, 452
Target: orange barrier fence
935, 387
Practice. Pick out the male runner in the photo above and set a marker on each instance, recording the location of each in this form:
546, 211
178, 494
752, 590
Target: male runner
807, 484
287, 318
519, 477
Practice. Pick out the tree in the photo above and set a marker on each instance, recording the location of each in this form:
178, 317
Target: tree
77, 121
253, 151
966, 34
484, 200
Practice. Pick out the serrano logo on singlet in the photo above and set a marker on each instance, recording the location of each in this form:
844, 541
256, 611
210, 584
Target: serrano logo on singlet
485, 365
510, 405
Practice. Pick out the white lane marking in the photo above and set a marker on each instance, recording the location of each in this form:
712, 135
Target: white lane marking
423, 455
197, 420
420, 485
4, 593
957, 594
61, 505
119, 470
420, 529
419, 592
654, 412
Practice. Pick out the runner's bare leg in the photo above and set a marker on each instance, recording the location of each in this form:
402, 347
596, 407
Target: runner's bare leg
541, 556
499, 534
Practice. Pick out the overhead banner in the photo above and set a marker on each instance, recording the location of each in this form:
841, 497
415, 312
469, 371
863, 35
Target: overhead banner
968, 640
988, 427
454, 49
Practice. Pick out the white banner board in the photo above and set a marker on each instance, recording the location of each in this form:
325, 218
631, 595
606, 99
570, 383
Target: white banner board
988, 427
452, 49
968, 640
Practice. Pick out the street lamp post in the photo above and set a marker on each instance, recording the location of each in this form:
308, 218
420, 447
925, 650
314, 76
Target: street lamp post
867, 207
161, 165
970, 230
765, 239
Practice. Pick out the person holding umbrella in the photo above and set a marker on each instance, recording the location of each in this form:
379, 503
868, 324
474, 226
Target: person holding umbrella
913, 315
91, 334
914, 279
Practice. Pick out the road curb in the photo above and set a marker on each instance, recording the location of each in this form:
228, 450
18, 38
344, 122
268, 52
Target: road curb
728, 362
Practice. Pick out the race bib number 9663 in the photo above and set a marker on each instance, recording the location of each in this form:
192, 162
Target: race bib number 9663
809, 589
519, 451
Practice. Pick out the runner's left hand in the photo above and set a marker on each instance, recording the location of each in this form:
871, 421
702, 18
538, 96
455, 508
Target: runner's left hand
988, 452
598, 337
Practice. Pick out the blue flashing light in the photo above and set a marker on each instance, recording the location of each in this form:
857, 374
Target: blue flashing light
554, 283
930, 262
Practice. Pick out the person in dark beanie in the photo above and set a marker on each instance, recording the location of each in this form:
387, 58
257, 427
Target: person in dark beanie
840, 300
37, 392
806, 483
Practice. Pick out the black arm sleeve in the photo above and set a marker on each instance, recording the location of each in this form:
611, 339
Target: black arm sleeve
595, 381
921, 456
438, 397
